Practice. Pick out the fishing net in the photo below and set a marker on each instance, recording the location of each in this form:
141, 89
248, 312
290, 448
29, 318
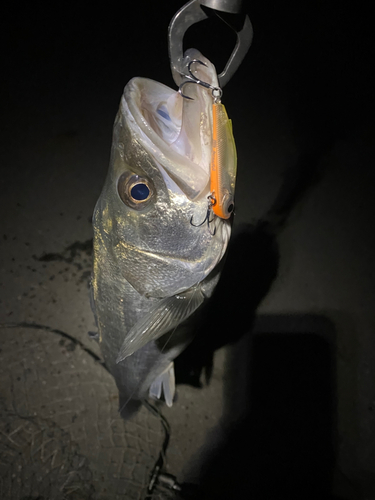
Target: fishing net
61, 436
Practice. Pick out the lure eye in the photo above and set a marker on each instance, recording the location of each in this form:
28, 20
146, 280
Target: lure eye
135, 191
228, 205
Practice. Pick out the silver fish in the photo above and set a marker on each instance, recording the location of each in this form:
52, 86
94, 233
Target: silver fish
154, 265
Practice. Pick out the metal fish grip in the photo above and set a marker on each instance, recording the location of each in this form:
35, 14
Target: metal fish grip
192, 13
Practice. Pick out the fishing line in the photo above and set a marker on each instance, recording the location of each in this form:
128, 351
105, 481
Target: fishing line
77, 342
169, 338
175, 328
162, 455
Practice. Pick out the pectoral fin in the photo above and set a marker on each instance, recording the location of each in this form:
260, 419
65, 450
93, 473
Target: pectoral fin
164, 316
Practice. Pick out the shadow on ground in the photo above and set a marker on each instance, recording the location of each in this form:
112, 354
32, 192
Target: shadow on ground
277, 433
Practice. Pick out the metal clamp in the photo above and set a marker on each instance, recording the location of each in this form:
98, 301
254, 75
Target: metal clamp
192, 13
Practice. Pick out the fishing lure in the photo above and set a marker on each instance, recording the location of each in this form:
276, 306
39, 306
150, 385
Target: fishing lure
223, 167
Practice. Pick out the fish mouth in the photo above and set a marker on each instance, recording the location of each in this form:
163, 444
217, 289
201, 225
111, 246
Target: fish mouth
176, 131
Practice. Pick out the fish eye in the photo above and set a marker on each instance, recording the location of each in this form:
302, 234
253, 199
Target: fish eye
140, 191
134, 190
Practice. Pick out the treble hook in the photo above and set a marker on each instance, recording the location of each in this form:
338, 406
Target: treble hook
211, 202
216, 91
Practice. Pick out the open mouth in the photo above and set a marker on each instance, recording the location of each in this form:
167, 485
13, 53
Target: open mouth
175, 130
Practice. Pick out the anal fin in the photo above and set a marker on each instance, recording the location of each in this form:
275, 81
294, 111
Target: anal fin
164, 383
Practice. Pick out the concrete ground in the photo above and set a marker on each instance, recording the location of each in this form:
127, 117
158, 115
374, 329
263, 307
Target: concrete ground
289, 409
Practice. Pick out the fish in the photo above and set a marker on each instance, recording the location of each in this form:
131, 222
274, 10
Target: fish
155, 264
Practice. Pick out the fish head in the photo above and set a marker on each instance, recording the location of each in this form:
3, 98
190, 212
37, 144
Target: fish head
146, 221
